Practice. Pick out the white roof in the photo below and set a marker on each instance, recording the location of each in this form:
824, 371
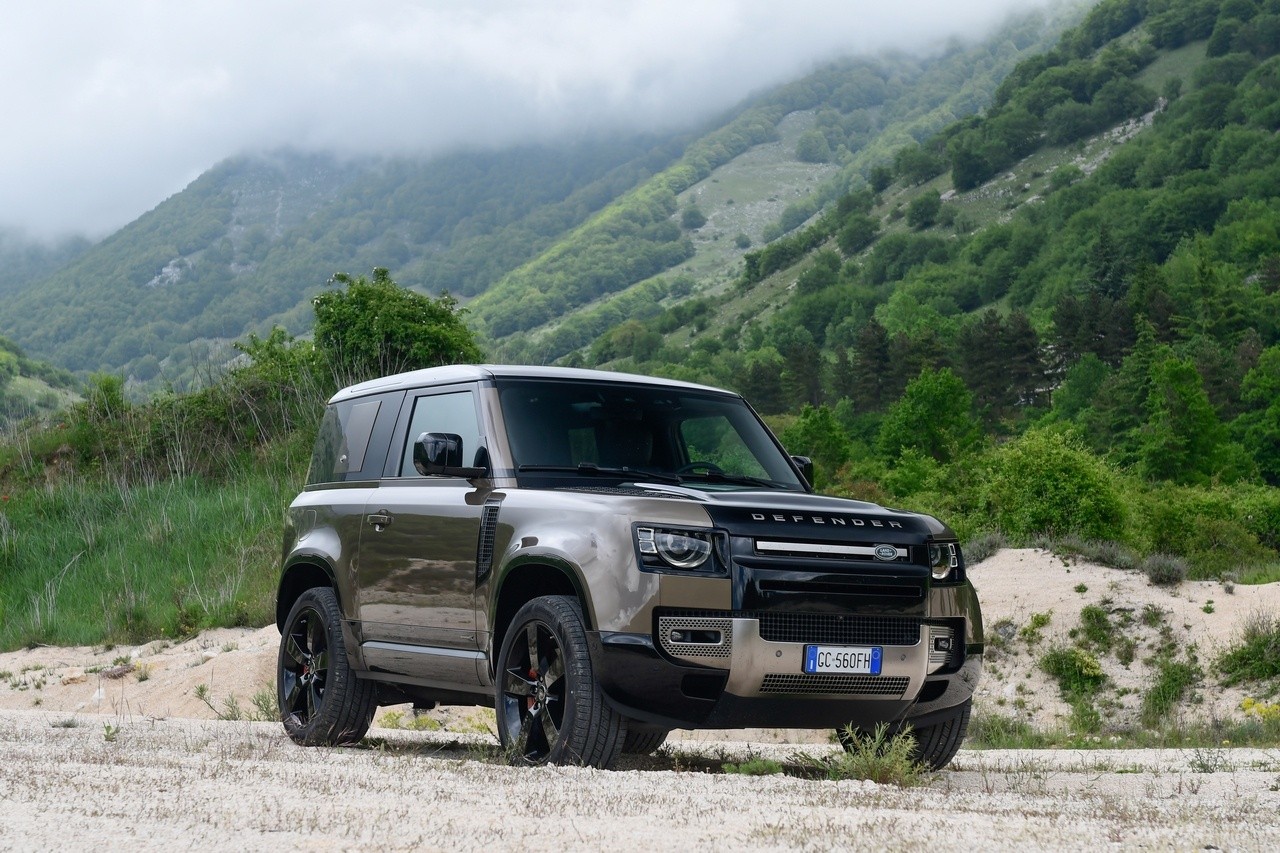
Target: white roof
452, 373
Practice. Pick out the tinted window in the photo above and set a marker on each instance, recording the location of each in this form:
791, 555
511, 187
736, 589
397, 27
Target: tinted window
453, 413
343, 441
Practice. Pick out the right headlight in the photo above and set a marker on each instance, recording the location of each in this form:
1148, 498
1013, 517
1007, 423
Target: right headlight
686, 550
944, 558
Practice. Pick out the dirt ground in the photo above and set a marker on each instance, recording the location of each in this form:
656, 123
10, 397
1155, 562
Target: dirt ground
107, 747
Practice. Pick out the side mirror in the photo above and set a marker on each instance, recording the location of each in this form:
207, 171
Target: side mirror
805, 464
440, 454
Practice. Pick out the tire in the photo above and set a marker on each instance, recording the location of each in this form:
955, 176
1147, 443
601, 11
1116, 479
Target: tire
322, 702
936, 744
550, 709
643, 740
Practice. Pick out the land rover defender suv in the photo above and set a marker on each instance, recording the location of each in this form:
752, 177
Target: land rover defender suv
603, 558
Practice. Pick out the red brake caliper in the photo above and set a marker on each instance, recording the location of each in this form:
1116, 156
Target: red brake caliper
533, 675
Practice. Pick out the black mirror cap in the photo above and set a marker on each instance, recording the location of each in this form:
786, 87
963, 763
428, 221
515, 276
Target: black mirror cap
805, 465
440, 454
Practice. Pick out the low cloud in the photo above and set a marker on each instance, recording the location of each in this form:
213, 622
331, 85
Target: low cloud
114, 106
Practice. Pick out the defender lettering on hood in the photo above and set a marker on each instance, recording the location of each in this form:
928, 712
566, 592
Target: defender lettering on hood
851, 521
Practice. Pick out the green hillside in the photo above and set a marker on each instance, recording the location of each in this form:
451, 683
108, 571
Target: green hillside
246, 245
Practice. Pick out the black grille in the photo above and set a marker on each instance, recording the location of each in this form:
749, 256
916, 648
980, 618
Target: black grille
488, 532
828, 628
838, 629
860, 685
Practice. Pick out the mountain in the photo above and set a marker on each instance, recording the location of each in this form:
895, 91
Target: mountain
534, 233
249, 243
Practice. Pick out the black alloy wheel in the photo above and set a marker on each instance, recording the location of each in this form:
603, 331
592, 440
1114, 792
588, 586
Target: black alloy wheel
549, 708
322, 702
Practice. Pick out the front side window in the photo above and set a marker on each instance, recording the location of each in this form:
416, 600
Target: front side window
567, 429
450, 413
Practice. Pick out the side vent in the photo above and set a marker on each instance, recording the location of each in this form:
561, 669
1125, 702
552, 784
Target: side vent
488, 533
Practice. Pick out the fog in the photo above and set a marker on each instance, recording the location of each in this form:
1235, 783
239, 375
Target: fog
113, 107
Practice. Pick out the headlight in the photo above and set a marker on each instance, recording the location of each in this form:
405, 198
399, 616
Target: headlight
944, 558
687, 550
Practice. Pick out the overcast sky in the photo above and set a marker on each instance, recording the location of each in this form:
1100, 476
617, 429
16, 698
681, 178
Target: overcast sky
114, 106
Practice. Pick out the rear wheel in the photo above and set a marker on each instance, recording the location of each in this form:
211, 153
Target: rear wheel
550, 709
322, 702
936, 744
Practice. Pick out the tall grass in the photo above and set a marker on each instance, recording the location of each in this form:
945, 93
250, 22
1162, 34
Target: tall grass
95, 562
124, 523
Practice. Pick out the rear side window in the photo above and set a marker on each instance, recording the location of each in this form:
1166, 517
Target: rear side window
346, 440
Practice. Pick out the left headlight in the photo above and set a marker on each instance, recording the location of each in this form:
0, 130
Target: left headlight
944, 558
685, 550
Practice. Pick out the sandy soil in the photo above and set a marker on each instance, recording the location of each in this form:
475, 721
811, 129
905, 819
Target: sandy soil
113, 747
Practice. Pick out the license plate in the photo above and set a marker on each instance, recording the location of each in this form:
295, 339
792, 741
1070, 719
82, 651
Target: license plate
855, 660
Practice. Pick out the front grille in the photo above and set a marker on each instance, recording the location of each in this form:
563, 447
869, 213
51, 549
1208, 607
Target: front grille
850, 685
838, 629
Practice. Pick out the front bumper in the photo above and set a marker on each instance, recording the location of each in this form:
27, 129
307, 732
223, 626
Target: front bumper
719, 670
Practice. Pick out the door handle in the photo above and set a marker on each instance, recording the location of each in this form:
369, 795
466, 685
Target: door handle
379, 520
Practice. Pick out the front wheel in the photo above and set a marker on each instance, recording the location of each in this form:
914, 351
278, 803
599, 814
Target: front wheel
322, 701
550, 709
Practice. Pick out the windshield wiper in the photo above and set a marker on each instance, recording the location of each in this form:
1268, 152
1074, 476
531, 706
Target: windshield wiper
736, 479
591, 469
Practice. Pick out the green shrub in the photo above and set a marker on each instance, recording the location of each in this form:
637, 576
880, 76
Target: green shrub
1078, 673
873, 756
1172, 681
983, 546
1205, 526
1257, 656
1045, 483
1165, 569
1096, 627
755, 767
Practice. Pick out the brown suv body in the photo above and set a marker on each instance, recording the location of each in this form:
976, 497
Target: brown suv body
713, 588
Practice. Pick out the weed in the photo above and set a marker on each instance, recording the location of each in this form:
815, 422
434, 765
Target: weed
1031, 632
755, 767
231, 709
1172, 680
1208, 606
1209, 761
1257, 656
1152, 615
1082, 588
1096, 627
143, 672
110, 732
1076, 671
266, 705
876, 757
66, 723
983, 546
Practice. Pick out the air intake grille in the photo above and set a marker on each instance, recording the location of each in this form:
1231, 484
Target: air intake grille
838, 629
850, 685
488, 532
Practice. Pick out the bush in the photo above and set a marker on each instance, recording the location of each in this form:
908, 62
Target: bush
1257, 657
1165, 569
1044, 483
983, 546
1206, 527
1078, 673
1171, 684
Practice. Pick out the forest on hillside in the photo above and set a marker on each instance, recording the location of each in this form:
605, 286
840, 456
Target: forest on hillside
1131, 310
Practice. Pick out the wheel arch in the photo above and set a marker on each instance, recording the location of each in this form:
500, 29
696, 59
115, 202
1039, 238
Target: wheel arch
297, 578
530, 578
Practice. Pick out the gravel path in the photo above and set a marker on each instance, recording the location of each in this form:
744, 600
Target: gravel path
80, 782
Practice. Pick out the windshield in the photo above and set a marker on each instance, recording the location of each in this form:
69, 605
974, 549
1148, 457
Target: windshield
560, 429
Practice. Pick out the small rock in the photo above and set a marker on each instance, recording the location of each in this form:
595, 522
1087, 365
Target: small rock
74, 676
